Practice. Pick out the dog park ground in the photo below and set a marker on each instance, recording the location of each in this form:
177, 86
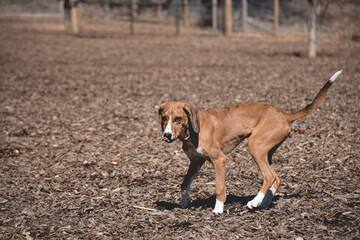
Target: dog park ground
81, 155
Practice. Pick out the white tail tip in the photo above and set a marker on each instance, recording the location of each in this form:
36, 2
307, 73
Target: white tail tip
334, 77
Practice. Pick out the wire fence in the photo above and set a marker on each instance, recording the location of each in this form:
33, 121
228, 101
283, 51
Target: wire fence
200, 13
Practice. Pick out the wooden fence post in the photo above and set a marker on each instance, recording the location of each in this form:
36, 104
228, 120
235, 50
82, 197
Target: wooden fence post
244, 14
276, 17
228, 17
214, 14
74, 12
186, 13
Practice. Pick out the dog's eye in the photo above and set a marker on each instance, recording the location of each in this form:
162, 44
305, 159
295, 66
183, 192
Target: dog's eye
177, 119
163, 118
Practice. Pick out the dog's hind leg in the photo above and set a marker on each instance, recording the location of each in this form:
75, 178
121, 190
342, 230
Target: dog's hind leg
273, 189
261, 143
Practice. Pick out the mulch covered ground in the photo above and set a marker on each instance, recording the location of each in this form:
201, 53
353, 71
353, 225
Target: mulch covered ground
81, 155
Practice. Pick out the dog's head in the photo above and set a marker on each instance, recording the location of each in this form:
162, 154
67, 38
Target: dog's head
178, 120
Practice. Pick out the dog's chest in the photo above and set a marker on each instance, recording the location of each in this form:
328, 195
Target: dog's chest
193, 152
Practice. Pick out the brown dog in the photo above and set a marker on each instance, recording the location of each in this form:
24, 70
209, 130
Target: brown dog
211, 134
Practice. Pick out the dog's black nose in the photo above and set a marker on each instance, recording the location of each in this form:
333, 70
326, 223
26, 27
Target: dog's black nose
168, 136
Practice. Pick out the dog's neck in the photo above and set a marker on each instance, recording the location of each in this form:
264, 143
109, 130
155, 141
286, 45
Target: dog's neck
191, 137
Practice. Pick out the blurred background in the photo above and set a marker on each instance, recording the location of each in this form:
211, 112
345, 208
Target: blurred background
341, 19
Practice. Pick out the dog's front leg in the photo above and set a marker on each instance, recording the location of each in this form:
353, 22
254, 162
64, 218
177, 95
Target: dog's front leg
194, 168
220, 166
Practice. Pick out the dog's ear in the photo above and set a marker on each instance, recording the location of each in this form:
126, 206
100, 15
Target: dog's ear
161, 109
192, 113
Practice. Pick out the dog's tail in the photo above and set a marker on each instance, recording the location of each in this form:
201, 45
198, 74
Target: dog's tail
309, 108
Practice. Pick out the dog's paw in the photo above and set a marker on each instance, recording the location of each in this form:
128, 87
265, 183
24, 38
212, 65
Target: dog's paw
185, 199
256, 202
219, 207
253, 204
268, 198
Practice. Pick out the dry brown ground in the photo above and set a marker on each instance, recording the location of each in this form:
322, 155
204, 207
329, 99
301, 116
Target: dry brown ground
80, 150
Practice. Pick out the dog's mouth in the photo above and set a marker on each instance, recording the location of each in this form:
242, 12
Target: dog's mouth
165, 139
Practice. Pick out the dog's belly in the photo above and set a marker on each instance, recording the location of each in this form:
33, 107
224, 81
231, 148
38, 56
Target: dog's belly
232, 143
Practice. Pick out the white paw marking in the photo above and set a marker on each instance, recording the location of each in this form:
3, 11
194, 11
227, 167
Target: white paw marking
219, 207
256, 202
273, 190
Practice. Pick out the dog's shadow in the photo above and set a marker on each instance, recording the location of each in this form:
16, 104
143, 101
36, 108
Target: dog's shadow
210, 202
207, 202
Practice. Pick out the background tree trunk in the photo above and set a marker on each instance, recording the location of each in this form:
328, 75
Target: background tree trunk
312, 28
317, 12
